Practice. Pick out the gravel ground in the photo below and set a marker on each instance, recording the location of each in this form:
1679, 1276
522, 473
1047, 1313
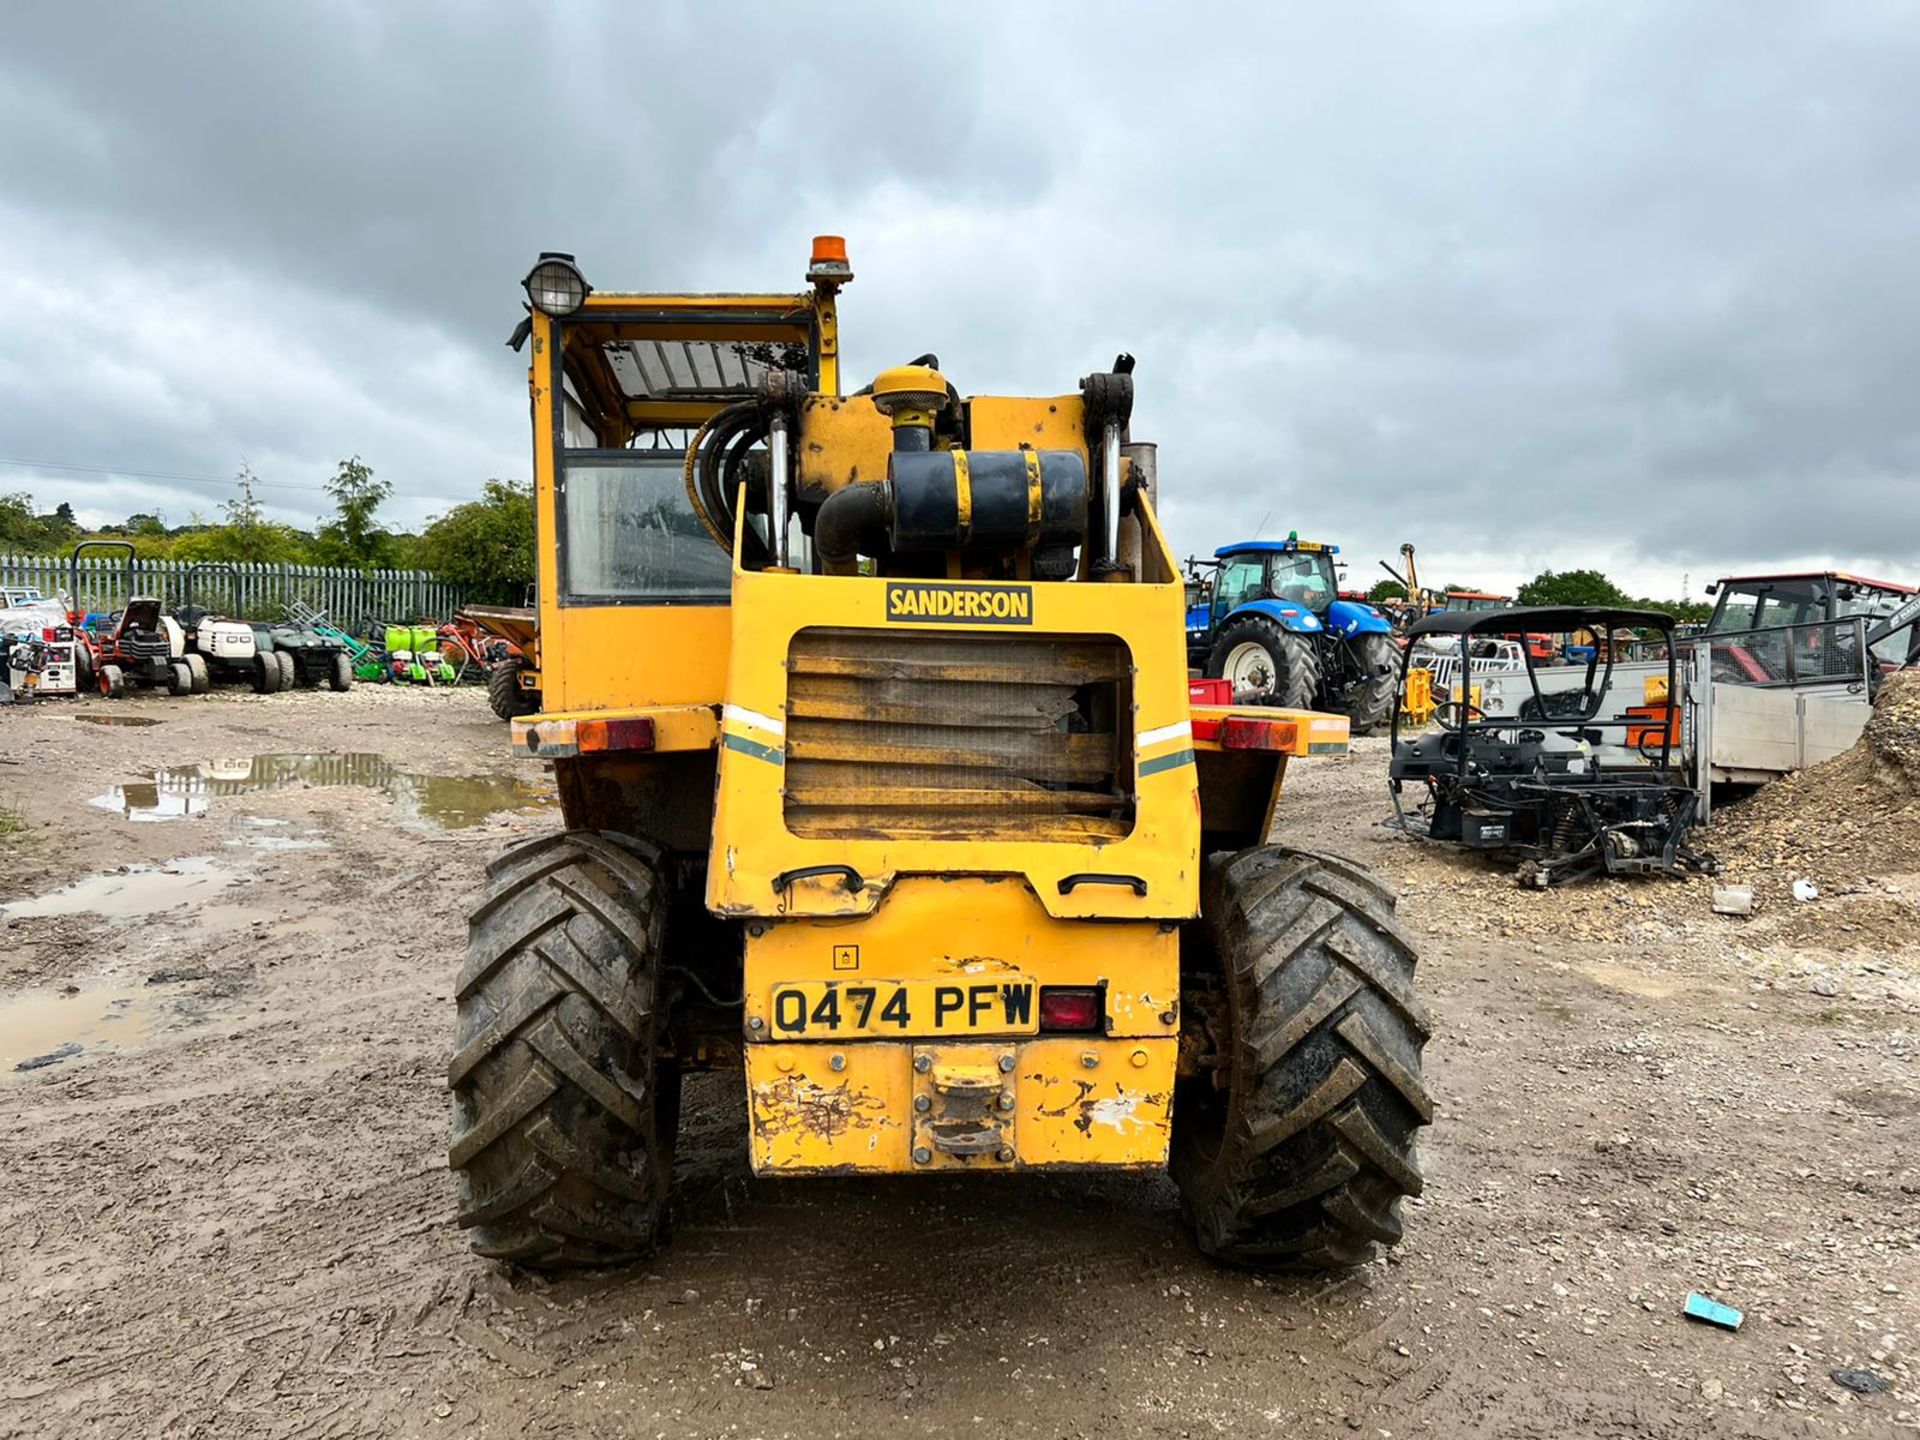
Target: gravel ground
226, 1210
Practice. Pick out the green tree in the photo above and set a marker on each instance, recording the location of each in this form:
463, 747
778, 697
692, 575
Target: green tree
1386, 590
485, 544
353, 538
19, 528
1571, 587
248, 537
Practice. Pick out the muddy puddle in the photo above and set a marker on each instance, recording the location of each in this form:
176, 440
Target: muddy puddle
138, 890
129, 720
43, 1028
446, 802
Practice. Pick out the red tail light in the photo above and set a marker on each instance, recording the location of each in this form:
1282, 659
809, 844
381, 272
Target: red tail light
1064, 1007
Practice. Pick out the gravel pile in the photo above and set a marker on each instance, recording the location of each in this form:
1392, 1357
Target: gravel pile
1843, 823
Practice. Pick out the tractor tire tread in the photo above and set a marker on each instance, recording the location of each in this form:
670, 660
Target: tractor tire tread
1370, 702
558, 1141
1325, 1092
504, 695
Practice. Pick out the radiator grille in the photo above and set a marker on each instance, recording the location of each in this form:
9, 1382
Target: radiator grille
948, 735
144, 644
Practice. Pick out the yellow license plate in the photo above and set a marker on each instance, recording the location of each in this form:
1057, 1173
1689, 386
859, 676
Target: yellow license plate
832, 1008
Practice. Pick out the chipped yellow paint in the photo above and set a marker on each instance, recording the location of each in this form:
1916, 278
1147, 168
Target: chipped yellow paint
809, 1118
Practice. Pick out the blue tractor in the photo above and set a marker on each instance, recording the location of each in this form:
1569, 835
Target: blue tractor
1276, 627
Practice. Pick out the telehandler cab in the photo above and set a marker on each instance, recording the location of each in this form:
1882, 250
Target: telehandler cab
882, 781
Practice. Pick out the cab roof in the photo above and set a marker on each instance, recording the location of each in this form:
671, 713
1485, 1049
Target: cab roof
1842, 576
1538, 620
1273, 547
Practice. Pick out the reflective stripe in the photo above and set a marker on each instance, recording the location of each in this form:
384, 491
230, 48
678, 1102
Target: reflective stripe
1181, 730
753, 748
1171, 761
754, 718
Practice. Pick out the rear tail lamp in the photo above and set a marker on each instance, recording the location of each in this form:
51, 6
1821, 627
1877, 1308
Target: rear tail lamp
1071, 1008
1244, 732
630, 734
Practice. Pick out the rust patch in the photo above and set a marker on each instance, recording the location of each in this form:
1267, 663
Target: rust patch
795, 1103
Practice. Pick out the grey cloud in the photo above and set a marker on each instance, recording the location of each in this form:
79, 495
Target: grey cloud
1629, 286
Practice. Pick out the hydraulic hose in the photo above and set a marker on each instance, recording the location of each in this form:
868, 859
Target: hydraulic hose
720, 537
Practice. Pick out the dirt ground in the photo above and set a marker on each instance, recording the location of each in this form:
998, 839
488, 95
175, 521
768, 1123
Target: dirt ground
225, 1209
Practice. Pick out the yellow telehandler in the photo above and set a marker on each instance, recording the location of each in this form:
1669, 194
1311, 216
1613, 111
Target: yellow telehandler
884, 781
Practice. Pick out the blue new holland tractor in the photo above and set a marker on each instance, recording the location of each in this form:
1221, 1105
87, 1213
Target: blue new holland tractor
1276, 627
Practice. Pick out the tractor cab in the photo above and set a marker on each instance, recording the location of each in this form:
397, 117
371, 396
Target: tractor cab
1799, 624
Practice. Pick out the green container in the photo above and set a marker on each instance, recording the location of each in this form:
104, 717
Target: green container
412, 637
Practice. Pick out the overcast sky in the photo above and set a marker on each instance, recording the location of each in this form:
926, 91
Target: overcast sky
1626, 285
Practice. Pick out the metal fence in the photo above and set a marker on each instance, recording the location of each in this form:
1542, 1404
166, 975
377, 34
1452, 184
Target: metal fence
249, 592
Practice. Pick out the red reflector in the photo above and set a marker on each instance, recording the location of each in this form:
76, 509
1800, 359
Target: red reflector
634, 734
1243, 732
1066, 1008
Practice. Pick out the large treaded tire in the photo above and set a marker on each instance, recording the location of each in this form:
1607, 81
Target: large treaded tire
504, 695
1370, 701
1292, 663
1301, 1162
562, 1118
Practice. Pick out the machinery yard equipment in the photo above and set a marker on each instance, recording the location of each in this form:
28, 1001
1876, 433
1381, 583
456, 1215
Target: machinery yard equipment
138, 646
1783, 620
413, 656
1277, 628
882, 782
365, 660
45, 653
1572, 779
509, 643
220, 647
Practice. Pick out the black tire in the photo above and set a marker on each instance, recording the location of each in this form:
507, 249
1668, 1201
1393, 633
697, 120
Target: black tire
289, 671
266, 673
1304, 993
1370, 699
340, 675
1290, 675
179, 678
202, 677
82, 668
504, 695
563, 1117
112, 681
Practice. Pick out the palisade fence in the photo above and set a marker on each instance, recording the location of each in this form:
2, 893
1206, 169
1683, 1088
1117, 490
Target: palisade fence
248, 592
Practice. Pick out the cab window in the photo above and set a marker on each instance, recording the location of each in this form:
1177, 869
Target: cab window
1242, 578
629, 535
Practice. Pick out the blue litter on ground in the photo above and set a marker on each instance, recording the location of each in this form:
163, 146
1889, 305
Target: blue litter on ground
1712, 1312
